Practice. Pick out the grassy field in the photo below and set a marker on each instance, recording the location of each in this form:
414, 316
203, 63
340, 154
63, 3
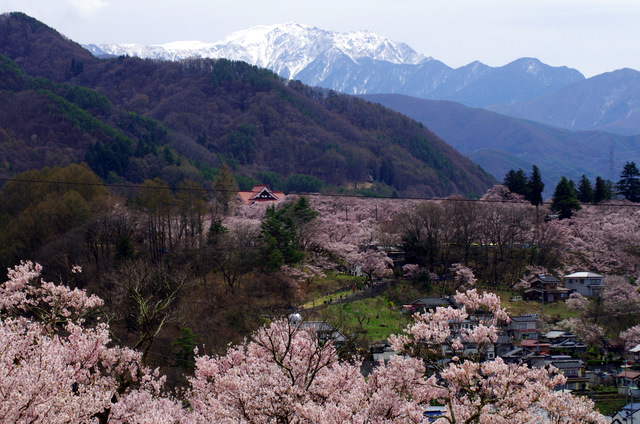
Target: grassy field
376, 318
554, 311
611, 406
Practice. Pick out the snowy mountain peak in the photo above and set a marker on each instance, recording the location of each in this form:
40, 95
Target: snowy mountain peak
287, 48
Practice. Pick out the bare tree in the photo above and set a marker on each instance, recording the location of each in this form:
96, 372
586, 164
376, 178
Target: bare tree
144, 297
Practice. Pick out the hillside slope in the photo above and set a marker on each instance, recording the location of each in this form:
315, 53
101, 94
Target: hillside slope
180, 118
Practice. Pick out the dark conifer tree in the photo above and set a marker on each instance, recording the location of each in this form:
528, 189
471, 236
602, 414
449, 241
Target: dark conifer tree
629, 184
535, 186
565, 199
516, 181
585, 190
602, 191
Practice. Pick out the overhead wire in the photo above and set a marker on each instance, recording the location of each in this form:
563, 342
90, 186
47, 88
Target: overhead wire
337, 195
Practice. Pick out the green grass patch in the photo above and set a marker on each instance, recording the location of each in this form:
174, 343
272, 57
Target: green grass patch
375, 318
332, 287
610, 406
554, 311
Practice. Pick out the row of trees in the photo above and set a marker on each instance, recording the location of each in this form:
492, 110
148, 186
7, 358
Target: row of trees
567, 196
498, 240
530, 187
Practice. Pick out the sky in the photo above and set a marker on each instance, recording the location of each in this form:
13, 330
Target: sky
593, 36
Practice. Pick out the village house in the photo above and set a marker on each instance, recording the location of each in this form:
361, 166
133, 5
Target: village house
635, 352
629, 413
323, 330
470, 349
564, 341
260, 194
537, 346
547, 288
518, 355
523, 327
588, 284
573, 369
627, 380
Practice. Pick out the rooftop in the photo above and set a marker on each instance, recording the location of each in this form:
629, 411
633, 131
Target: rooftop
547, 278
584, 274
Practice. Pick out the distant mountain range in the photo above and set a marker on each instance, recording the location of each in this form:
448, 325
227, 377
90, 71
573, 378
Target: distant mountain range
364, 63
607, 102
499, 143
131, 119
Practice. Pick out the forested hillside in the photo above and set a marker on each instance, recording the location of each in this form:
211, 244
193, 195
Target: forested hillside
133, 119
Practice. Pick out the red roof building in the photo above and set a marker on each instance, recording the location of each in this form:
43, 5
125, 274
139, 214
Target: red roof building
260, 194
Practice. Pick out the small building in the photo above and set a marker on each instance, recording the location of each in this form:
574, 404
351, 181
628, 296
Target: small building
573, 369
469, 348
547, 288
523, 327
635, 351
432, 413
613, 344
323, 330
518, 355
564, 341
627, 379
503, 345
588, 284
540, 348
630, 413
260, 194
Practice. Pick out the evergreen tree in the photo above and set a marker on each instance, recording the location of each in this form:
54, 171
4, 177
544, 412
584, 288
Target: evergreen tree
629, 184
184, 356
603, 190
516, 181
585, 190
565, 199
535, 186
282, 231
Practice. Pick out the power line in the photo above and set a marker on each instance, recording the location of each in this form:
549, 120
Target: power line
336, 195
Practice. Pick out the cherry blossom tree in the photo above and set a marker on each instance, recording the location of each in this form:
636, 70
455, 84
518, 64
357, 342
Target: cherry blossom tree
303, 279
285, 375
631, 336
376, 264
622, 301
463, 277
602, 238
56, 368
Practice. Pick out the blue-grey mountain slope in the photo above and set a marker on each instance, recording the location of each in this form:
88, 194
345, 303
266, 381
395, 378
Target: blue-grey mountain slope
499, 143
607, 102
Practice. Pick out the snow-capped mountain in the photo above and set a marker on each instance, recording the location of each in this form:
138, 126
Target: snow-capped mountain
287, 49
362, 62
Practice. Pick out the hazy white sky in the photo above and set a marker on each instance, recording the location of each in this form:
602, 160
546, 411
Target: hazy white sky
593, 36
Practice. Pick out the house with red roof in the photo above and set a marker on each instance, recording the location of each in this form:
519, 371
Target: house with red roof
260, 194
